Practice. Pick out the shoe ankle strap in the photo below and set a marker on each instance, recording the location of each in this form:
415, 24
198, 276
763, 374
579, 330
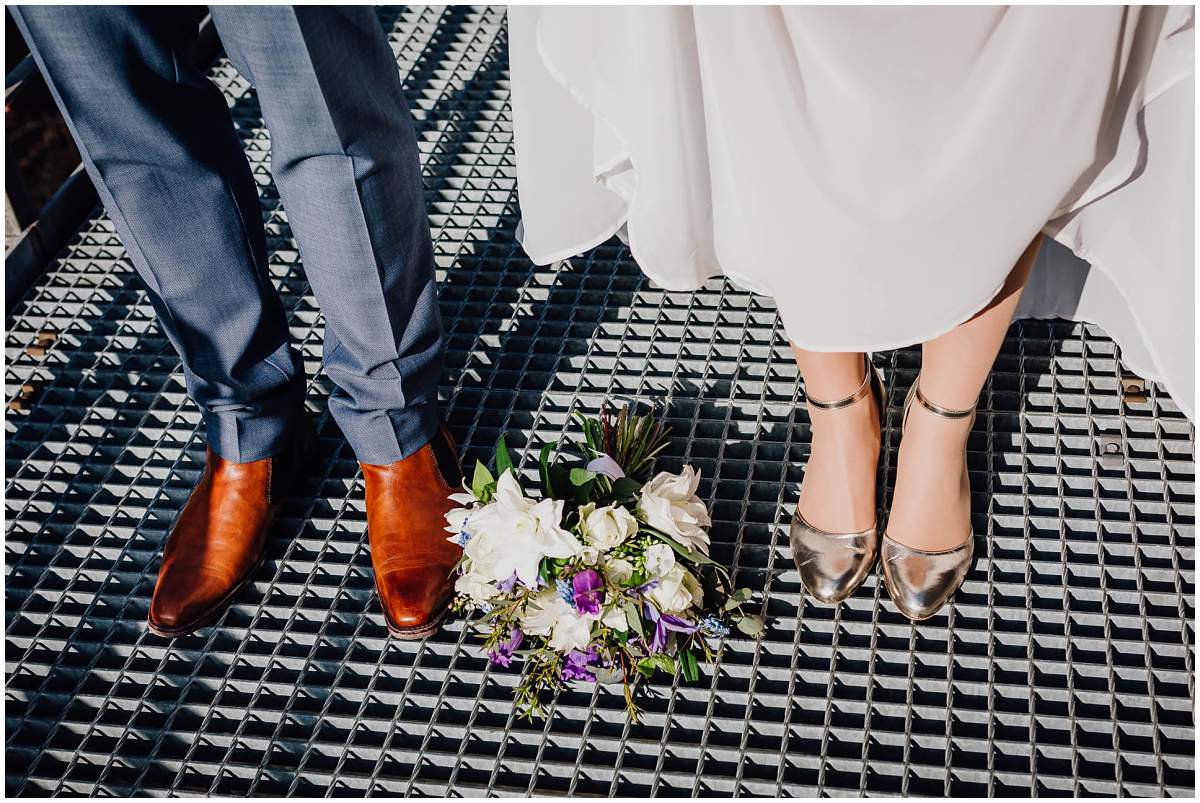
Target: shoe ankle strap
863, 391
937, 409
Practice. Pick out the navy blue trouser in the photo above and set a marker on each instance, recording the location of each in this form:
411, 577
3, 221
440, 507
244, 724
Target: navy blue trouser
158, 141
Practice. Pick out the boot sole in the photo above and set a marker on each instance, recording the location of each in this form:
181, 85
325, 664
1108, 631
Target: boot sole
420, 631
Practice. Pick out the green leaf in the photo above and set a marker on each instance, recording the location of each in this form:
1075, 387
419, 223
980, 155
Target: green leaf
650, 663
581, 476
504, 460
480, 482
560, 480
544, 465
586, 424
583, 493
626, 489
633, 615
688, 665
690, 554
610, 674
738, 597
752, 626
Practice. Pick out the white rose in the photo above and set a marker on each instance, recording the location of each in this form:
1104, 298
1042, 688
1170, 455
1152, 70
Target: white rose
543, 611
618, 570
660, 559
478, 588
572, 631
606, 527
615, 618
589, 555
669, 504
512, 534
549, 614
677, 591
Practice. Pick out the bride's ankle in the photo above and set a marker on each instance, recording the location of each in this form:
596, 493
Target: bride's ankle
936, 433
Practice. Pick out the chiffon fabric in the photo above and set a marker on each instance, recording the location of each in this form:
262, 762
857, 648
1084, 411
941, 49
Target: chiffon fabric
876, 170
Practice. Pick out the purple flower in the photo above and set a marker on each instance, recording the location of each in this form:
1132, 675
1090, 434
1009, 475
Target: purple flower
588, 591
507, 585
502, 655
664, 624
645, 588
578, 665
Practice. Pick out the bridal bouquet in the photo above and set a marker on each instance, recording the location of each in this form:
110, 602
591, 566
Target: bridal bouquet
605, 577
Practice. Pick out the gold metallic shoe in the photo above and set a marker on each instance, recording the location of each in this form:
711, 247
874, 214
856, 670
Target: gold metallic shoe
920, 581
833, 565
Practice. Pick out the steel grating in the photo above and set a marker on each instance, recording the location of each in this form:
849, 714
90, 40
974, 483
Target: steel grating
1065, 666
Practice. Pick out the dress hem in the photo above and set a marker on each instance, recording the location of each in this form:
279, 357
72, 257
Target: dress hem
1049, 229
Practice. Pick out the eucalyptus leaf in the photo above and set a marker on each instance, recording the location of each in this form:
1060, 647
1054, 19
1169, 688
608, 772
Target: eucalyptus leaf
752, 626
608, 675
739, 596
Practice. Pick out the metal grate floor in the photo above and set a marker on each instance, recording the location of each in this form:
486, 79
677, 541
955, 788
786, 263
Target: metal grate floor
1065, 666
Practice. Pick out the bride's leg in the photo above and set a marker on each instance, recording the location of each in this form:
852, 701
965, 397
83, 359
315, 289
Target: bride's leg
838, 493
931, 508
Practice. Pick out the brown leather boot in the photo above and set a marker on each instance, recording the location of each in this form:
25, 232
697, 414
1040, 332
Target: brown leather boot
217, 542
406, 508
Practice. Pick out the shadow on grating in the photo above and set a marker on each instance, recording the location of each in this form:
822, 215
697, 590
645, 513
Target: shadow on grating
1064, 666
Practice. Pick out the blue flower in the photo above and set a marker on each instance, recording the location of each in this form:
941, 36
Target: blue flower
463, 535
565, 590
712, 625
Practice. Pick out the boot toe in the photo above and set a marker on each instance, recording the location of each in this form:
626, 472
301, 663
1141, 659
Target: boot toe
414, 597
181, 604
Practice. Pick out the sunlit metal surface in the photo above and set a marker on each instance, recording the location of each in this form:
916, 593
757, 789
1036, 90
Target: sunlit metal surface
1065, 665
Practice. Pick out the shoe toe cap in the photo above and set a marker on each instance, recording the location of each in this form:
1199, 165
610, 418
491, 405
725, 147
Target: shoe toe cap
832, 566
920, 583
182, 601
413, 596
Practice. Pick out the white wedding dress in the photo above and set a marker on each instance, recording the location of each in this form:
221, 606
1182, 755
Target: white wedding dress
876, 170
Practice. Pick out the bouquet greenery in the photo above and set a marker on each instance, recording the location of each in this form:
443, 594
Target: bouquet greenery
605, 578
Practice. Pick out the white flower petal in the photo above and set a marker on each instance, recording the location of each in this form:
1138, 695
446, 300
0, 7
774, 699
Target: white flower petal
607, 466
